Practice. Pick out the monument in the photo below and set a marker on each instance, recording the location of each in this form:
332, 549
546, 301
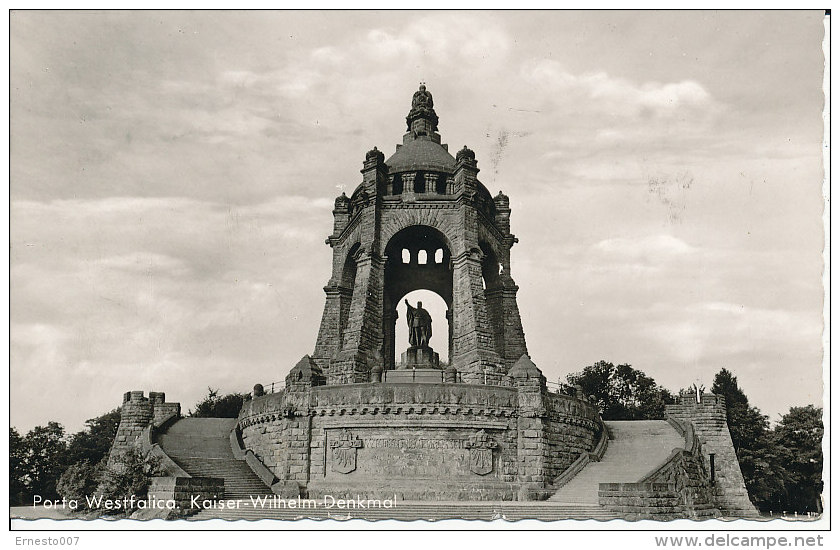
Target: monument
354, 422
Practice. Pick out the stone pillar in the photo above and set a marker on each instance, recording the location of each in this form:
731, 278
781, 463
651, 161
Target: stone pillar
532, 436
363, 336
408, 183
333, 320
513, 335
430, 180
709, 420
389, 328
450, 185
449, 334
473, 352
341, 214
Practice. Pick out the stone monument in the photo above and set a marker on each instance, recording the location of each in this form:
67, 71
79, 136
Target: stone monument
352, 422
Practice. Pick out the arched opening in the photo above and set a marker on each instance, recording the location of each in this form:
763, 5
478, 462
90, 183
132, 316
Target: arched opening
348, 283
403, 279
437, 308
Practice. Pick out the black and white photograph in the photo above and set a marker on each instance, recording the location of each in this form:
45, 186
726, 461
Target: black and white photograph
472, 269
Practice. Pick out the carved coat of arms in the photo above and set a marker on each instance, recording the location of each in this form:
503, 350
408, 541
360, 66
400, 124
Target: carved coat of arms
344, 452
481, 448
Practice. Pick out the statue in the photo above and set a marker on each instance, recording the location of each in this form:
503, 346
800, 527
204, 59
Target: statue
422, 99
419, 325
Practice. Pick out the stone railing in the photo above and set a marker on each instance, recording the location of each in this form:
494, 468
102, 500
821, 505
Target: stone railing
678, 488
285, 489
583, 460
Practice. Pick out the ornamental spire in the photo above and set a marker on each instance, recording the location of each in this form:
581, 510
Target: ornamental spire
422, 119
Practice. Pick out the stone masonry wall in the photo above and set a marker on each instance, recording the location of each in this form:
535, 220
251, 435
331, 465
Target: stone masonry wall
420, 441
138, 413
573, 428
709, 420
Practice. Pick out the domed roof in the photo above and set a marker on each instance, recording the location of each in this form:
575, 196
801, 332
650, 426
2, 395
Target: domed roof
421, 154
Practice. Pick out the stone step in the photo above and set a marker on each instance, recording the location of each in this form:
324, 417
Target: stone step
634, 449
426, 511
201, 446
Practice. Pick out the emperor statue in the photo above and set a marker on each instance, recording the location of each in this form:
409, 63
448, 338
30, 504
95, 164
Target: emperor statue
419, 325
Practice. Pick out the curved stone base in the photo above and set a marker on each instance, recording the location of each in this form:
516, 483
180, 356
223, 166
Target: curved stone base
420, 441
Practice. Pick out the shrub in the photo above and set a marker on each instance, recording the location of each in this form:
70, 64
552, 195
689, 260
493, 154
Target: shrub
79, 481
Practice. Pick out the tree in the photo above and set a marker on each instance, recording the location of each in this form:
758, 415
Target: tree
44, 455
18, 477
80, 480
622, 392
800, 433
93, 443
758, 453
213, 406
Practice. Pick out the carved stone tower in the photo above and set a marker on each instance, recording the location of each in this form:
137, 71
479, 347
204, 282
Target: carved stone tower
420, 220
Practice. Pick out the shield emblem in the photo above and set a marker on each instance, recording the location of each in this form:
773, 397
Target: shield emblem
481, 461
344, 452
481, 453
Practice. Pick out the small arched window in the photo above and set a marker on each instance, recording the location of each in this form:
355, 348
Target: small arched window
439, 256
421, 257
406, 256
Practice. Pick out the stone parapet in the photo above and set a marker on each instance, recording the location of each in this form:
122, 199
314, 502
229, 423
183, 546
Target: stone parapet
431, 441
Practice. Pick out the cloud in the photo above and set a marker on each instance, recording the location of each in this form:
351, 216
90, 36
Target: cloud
652, 246
617, 96
172, 180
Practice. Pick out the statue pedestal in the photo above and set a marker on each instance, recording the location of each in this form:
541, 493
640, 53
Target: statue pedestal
417, 357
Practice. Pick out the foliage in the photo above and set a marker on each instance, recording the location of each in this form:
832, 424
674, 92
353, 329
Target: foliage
215, 406
621, 392
40, 459
799, 434
17, 468
127, 473
93, 443
758, 453
79, 480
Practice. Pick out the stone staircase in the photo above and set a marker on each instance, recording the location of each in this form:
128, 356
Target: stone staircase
201, 446
409, 511
634, 449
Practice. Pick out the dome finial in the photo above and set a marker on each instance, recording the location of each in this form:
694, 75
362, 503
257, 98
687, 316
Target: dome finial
422, 108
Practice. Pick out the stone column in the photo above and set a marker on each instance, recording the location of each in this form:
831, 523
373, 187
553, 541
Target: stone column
473, 351
363, 335
408, 183
389, 328
449, 334
333, 320
430, 180
532, 433
513, 334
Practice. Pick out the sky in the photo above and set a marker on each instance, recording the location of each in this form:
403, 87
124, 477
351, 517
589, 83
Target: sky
173, 176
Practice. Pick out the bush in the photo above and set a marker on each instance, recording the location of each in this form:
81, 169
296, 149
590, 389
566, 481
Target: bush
79, 481
216, 406
128, 473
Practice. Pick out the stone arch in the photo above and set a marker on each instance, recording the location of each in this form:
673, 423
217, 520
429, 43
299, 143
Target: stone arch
346, 287
434, 219
401, 278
